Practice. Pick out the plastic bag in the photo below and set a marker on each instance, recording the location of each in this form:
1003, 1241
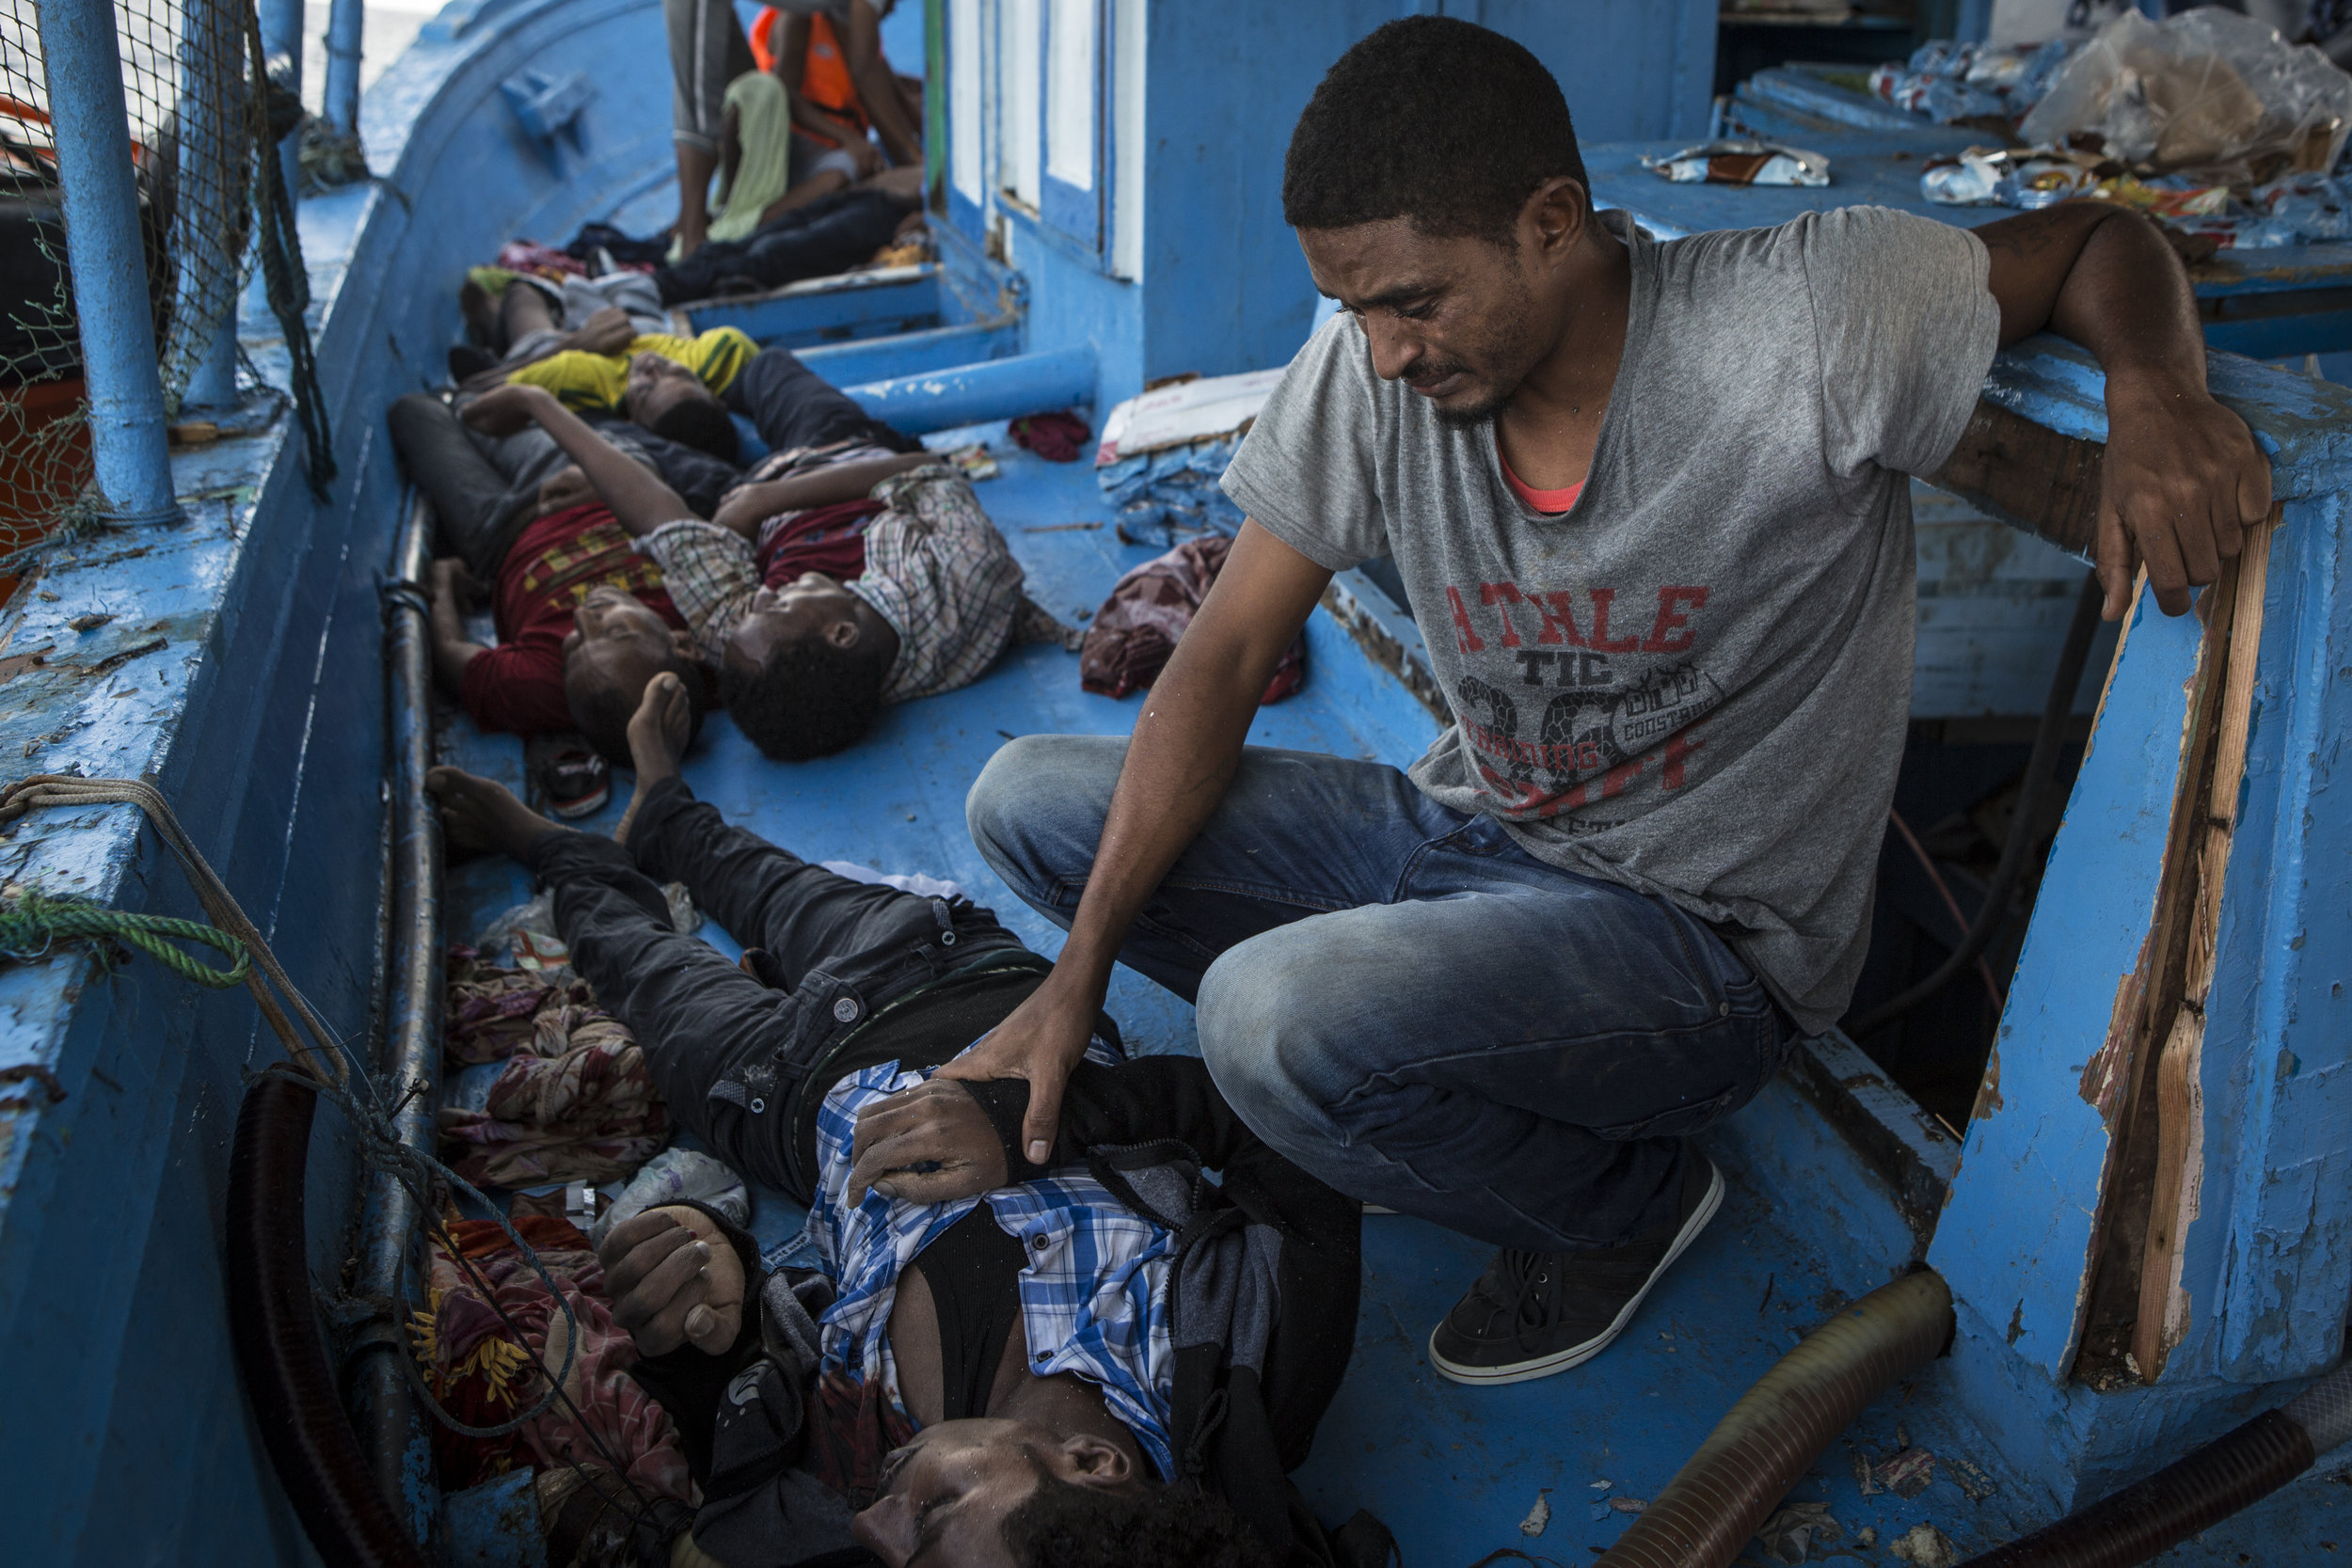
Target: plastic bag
1741, 163
674, 1176
2208, 90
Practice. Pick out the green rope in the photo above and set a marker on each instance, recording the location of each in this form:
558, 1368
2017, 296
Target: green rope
31, 925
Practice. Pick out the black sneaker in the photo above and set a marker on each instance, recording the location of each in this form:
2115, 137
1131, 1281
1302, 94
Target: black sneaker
1536, 1313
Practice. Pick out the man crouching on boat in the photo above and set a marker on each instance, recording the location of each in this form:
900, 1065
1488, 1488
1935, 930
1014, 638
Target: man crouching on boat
995, 1374
1650, 505
806, 659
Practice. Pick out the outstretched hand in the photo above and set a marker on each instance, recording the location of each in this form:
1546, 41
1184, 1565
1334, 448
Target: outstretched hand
607, 330
930, 1143
504, 410
1042, 1040
674, 1279
2182, 483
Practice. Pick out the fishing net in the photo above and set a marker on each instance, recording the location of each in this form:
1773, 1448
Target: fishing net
199, 111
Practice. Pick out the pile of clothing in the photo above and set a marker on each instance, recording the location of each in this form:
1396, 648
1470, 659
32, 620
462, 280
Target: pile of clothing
574, 1100
1149, 608
1163, 454
607, 1457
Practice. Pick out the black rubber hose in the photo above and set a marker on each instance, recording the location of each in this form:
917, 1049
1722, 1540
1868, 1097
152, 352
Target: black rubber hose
2170, 1506
2041, 767
280, 1351
2193, 1494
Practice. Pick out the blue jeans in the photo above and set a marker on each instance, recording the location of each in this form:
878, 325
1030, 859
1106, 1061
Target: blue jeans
1405, 1002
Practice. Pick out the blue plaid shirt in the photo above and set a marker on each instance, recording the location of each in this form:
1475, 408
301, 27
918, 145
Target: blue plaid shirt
1093, 1298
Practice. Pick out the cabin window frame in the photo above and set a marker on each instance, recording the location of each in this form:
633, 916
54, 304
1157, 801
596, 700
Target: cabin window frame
1049, 161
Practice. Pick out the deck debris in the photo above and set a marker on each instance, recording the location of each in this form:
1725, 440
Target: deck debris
1925, 1546
1538, 1516
1790, 1535
1908, 1474
89, 623
1969, 1479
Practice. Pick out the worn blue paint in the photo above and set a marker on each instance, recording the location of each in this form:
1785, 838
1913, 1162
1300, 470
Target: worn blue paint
496, 1525
970, 394
102, 219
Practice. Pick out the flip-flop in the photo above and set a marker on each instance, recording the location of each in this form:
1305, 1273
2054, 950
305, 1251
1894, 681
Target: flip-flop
576, 782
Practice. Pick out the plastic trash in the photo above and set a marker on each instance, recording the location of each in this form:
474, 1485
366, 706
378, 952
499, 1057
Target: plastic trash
2208, 90
1949, 81
1740, 162
919, 883
674, 1176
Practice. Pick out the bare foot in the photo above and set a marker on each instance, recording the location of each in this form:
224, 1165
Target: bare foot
658, 733
483, 814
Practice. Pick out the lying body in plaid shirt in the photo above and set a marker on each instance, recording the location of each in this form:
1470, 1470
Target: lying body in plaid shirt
842, 577
993, 1361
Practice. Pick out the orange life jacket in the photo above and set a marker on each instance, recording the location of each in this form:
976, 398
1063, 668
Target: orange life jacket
825, 80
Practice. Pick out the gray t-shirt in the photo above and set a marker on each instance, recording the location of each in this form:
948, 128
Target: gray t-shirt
1693, 682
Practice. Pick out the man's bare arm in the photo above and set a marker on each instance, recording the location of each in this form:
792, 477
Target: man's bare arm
2182, 479
453, 650
747, 506
1187, 748
877, 90
639, 500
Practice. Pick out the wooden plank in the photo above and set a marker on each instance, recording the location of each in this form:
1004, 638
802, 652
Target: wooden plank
2027, 476
2162, 1318
2146, 1004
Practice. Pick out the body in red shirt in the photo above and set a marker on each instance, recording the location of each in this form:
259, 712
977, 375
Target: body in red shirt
556, 563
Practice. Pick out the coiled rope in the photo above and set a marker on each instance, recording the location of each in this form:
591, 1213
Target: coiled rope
316, 1048
32, 925
322, 1062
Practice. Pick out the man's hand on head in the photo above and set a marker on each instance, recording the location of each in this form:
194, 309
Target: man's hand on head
2182, 483
504, 410
930, 1143
674, 1279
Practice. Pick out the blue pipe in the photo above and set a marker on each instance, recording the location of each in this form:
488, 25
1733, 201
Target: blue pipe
281, 37
904, 353
342, 99
101, 224
973, 394
212, 53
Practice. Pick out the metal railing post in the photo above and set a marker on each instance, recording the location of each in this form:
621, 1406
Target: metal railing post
109, 264
343, 66
281, 34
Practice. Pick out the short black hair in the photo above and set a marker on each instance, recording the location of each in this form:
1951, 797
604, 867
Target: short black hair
1062, 1526
602, 712
810, 699
700, 423
1432, 119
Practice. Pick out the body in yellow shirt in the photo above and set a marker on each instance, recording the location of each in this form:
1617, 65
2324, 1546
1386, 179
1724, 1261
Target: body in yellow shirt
672, 386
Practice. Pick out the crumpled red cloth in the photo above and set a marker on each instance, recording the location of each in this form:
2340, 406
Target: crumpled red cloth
1058, 437
540, 260
469, 1360
487, 1010
577, 1104
1148, 608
